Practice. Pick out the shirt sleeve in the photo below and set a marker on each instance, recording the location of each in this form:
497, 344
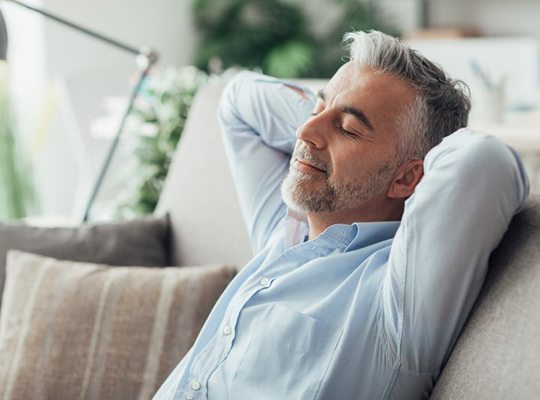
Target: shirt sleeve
472, 187
259, 116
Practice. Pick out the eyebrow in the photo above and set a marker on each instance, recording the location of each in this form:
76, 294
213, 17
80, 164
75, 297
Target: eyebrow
350, 110
358, 114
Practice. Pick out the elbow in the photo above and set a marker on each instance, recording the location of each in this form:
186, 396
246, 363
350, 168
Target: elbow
231, 97
482, 163
503, 165
502, 168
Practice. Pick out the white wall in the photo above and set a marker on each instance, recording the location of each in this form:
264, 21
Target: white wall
403, 14
163, 24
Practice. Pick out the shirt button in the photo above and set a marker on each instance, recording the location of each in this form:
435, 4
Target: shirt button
188, 396
227, 330
265, 282
195, 385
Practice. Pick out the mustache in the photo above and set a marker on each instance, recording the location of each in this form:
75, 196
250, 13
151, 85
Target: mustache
302, 153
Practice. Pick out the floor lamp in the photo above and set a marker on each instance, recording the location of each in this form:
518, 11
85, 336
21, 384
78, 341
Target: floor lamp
145, 58
3, 38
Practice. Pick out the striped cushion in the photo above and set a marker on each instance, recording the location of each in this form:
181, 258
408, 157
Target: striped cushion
72, 330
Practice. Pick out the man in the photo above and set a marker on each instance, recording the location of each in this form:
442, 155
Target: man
372, 221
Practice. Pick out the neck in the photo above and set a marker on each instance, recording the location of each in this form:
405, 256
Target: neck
388, 210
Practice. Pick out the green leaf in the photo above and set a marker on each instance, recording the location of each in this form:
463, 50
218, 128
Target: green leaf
156, 128
290, 60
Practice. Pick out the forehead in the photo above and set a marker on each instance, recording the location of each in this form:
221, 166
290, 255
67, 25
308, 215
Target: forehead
381, 96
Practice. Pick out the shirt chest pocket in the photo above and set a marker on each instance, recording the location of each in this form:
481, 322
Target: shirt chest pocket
286, 356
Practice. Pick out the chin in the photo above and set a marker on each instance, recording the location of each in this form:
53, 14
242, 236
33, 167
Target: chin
289, 194
304, 202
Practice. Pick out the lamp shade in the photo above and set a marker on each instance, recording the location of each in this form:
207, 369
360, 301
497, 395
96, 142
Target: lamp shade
3, 37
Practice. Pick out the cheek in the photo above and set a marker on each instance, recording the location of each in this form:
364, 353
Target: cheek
348, 165
354, 166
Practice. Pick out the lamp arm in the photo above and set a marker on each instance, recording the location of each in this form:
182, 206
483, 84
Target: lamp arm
3, 38
89, 32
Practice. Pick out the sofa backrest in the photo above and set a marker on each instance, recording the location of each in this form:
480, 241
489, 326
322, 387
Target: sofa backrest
498, 354
199, 193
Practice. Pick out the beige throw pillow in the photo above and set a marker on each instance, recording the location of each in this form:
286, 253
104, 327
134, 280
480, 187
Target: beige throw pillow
71, 330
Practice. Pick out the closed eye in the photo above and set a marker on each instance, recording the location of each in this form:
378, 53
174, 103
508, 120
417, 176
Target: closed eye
345, 132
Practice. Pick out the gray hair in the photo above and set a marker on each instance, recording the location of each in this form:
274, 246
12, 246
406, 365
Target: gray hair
442, 105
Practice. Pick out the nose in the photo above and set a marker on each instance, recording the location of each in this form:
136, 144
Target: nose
312, 132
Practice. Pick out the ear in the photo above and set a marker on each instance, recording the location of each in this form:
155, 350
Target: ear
407, 177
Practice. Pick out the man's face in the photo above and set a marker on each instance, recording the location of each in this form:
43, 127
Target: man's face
345, 154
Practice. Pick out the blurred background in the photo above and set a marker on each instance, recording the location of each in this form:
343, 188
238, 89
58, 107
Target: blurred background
63, 93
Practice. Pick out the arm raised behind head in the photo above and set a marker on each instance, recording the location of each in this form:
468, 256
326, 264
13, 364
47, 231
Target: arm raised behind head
472, 187
259, 116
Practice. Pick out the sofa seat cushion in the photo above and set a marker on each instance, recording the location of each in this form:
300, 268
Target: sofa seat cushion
73, 330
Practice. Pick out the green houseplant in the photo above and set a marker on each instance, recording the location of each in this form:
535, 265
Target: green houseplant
16, 192
254, 33
277, 36
155, 127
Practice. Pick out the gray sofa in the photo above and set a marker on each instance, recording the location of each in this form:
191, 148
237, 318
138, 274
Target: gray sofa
498, 354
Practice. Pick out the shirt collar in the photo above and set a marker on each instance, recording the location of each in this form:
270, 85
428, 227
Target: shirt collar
368, 233
354, 236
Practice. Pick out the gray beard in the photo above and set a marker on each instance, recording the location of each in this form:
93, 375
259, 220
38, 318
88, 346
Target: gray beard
301, 194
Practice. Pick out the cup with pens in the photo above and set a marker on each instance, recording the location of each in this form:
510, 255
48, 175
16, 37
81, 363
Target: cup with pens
488, 96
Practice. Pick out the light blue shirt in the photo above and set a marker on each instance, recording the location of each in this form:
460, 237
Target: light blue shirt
363, 311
